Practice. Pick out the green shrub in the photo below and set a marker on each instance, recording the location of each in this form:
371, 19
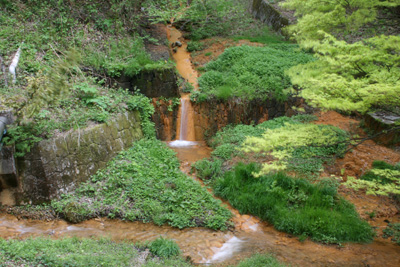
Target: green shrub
194, 46
251, 72
144, 183
207, 169
164, 248
293, 205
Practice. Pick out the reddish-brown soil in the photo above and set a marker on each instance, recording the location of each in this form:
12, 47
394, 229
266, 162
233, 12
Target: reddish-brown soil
359, 160
377, 210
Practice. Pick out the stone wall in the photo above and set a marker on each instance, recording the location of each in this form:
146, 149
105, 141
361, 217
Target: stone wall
269, 15
56, 166
383, 125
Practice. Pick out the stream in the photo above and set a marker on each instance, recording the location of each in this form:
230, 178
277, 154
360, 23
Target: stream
205, 246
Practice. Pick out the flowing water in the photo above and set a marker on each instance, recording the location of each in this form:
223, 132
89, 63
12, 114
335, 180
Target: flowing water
206, 246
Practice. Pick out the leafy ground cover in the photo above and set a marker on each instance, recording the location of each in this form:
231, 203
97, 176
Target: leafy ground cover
81, 252
292, 151
250, 72
92, 252
293, 205
382, 179
392, 231
145, 183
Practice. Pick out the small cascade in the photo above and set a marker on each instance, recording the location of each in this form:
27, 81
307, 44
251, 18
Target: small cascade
185, 124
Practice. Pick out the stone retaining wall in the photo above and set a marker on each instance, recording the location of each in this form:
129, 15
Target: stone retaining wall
269, 15
56, 166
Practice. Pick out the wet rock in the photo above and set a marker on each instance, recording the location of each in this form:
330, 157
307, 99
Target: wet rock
74, 213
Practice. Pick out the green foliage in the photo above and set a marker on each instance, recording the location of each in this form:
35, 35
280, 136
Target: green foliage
50, 88
146, 109
87, 102
299, 147
332, 15
100, 30
24, 137
263, 35
259, 260
382, 179
226, 142
293, 205
207, 169
75, 252
123, 56
251, 72
295, 143
194, 46
144, 183
351, 77
392, 231
164, 248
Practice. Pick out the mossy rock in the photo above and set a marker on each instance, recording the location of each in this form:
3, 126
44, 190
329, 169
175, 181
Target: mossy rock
74, 213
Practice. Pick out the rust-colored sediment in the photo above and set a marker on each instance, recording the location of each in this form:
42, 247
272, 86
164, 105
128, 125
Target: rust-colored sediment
185, 124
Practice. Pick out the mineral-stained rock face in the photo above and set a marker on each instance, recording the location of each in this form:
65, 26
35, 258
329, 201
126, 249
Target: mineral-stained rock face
211, 116
56, 166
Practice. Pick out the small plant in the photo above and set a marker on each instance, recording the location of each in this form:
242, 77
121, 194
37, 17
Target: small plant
371, 214
392, 231
208, 54
207, 169
164, 248
194, 46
